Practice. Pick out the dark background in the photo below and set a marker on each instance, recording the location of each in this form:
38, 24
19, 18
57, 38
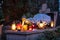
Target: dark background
14, 9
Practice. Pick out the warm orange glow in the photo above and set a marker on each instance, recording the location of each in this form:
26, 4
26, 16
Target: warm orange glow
22, 23
13, 27
19, 26
52, 24
30, 28
24, 27
41, 25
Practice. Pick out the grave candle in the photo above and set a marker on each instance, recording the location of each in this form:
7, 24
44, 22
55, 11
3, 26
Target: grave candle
24, 28
41, 25
52, 23
19, 26
13, 27
30, 28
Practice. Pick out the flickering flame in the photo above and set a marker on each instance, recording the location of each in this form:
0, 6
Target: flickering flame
30, 28
41, 25
13, 27
18, 26
52, 24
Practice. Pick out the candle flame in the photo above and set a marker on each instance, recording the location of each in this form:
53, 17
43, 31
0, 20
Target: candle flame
52, 24
41, 25
24, 28
19, 26
13, 27
30, 28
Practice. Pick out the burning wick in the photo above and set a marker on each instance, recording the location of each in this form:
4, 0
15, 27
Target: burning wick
19, 26
41, 25
52, 24
13, 27
30, 28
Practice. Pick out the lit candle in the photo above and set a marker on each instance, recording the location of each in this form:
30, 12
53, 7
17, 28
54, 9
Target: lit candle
41, 25
52, 23
34, 26
13, 27
30, 28
24, 28
19, 26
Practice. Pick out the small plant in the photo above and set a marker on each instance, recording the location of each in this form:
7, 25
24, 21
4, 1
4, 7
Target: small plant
58, 30
50, 35
47, 35
41, 37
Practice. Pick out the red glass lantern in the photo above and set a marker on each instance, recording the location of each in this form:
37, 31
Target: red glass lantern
34, 26
30, 28
19, 26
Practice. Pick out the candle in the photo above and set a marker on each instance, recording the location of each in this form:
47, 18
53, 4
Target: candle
30, 28
19, 26
34, 26
41, 25
52, 23
13, 27
24, 28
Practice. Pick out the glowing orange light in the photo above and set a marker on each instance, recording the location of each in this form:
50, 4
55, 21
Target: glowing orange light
24, 27
52, 24
19, 26
13, 27
41, 25
30, 28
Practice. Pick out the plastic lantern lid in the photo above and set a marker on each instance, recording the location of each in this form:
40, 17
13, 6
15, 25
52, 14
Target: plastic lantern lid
31, 19
42, 17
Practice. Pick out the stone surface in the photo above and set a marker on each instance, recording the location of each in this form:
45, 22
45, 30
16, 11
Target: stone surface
33, 35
